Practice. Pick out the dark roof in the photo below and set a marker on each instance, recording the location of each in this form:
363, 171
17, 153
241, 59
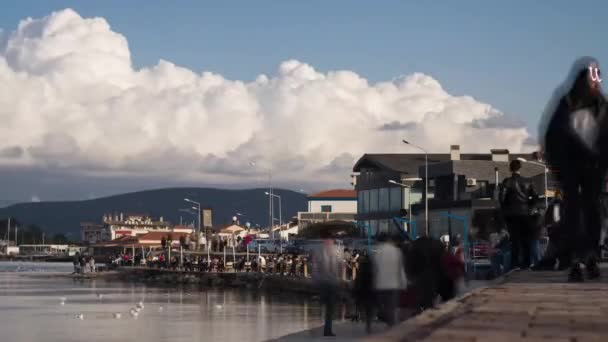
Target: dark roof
479, 169
408, 163
335, 193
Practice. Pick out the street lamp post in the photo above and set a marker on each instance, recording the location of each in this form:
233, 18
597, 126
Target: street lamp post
198, 230
426, 184
280, 219
546, 175
270, 190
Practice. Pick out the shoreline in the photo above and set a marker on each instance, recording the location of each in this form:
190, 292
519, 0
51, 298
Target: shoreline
164, 277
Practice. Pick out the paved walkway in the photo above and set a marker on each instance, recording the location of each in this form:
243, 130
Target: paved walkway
345, 331
527, 306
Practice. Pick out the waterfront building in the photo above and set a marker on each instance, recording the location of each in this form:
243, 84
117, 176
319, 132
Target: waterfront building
458, 184
117, 225
329, 205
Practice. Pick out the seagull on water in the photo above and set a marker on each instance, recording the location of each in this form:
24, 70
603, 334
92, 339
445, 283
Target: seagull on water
219, 307
160, 309
80, 316
140, 305
134, 312
99, 296
117, 315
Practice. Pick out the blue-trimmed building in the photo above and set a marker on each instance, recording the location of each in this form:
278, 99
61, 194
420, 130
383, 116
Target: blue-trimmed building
460, 184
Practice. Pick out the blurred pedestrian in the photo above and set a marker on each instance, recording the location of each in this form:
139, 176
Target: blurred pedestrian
389, 277
363, 291
326, 275
571, 132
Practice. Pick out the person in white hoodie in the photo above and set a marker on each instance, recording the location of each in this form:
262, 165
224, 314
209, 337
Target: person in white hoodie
389, 277
325, 274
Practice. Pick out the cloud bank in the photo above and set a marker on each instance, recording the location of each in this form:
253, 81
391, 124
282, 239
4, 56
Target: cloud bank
71, 99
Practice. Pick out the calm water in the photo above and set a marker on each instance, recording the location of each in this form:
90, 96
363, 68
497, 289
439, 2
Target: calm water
31, 310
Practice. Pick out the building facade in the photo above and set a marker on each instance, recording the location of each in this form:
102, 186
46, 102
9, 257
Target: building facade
117, 225
329, 205
460, 185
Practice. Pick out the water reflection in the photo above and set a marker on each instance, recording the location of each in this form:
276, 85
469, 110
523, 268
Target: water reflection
30, 310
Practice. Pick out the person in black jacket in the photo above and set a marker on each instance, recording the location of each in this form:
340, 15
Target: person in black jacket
572, 144
363, 291
517, 196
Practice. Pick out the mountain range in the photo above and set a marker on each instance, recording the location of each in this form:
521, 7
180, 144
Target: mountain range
65, 217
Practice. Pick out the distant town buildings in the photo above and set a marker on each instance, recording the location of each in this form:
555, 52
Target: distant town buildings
119, 225
329, 205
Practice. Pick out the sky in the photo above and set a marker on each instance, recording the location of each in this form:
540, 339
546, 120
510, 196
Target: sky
114, 96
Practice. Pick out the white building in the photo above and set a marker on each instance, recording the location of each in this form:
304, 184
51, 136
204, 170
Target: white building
329, 205
115, 226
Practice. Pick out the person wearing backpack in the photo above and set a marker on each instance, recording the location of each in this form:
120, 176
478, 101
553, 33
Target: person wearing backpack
517, 197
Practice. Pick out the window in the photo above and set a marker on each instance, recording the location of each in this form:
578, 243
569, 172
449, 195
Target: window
396, 199
383, 227
360, 202
373, 201
383, 200
374, 227
326, 208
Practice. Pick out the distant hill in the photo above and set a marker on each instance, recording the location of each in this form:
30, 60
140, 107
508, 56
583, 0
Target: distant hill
65, 217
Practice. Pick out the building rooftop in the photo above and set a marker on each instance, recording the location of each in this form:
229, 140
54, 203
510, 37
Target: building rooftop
335, 193
408, 163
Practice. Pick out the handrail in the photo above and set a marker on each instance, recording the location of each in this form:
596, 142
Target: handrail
410, 223
464, 220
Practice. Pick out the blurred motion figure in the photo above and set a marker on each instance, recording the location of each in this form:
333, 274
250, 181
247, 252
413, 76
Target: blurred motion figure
571, 133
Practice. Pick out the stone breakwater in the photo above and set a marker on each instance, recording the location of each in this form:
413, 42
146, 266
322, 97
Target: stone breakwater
249, 280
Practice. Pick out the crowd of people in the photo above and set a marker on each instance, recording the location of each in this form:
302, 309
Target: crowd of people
279, 264
398, 279
84, 264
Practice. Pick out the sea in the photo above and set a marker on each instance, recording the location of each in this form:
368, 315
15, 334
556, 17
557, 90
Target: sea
40, 302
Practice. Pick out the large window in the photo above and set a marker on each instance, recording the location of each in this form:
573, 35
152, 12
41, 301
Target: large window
383, 200
396, 199
374, 227
373, 201
326, 208
366, 201
383, 227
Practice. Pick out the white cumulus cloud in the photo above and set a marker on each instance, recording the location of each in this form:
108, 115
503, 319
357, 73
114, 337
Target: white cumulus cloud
70, 98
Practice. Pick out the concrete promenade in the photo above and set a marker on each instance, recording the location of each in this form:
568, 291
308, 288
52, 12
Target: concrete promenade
522, 306
525, 306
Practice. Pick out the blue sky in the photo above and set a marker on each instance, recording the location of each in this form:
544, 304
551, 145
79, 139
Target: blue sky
509, 53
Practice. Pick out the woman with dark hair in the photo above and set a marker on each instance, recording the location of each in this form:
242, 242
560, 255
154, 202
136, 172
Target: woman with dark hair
572, 144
